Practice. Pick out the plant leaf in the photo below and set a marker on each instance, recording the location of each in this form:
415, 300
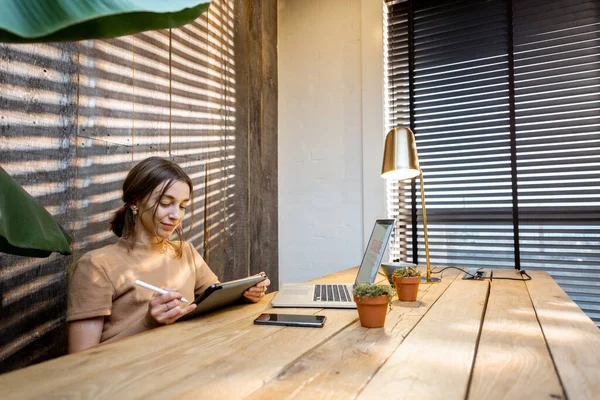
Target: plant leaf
26, 228
33, 21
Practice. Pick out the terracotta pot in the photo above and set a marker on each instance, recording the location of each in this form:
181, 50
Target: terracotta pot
407, 288
372, 310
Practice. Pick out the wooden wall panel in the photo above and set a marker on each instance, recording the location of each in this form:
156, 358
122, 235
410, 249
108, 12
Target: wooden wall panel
75, 117
38, 92
229, 245
198, 88
151, 94
106, 90
196, 171
262, 136
239, 247
104, 137
101, 169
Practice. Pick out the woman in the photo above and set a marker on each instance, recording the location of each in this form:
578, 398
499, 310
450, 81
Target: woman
104, 302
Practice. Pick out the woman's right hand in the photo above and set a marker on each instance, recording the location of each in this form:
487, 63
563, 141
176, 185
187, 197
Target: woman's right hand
164, 309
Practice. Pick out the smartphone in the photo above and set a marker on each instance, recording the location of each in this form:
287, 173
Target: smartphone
312, 321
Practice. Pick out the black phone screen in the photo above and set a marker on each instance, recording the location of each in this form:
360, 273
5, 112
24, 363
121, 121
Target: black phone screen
314, 321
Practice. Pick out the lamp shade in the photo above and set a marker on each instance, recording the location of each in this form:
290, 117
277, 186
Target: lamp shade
400, 160
26, 228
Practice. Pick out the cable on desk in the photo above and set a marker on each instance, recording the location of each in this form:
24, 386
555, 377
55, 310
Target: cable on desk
522, 272
382, 274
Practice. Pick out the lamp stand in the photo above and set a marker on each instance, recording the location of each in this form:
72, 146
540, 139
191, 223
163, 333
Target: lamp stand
427, 278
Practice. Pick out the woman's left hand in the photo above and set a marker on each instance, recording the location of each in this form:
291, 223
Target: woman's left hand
257, 292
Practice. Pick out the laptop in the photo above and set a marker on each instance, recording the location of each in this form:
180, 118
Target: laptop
339, 295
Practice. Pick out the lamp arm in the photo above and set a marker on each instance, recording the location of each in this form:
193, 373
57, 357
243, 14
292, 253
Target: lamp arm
425, 227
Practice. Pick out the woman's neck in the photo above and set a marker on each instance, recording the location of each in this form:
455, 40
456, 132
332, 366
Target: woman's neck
148, 240
143, 236
157, 246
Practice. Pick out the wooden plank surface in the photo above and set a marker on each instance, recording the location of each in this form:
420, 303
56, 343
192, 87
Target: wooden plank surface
178, 353
117, 366
224, 362
252, 359
512, 358
424, 351
572, 337
435, 360
342, 366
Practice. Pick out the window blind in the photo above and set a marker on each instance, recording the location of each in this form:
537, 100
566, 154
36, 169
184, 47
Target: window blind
557, 102
504, 101
397, 109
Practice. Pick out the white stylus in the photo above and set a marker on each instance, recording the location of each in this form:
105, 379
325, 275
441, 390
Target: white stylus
157, 290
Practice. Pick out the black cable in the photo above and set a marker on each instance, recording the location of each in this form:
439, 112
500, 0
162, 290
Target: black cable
522, 272
382, 274
445, 268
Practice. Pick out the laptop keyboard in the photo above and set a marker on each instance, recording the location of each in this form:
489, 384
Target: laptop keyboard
331, 293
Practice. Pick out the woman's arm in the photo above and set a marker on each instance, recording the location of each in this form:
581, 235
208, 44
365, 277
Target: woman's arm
85, 333
162, 310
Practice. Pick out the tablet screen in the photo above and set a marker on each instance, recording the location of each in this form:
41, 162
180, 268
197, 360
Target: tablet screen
223, 294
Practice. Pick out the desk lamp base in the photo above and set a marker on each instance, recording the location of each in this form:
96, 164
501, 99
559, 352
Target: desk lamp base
431, 280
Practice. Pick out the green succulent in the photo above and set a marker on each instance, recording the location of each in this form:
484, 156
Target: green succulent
366, 290
407, 272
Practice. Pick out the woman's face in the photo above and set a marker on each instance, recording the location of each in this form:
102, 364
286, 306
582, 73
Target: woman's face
152, 227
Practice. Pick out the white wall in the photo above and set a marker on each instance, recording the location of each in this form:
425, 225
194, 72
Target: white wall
330, 133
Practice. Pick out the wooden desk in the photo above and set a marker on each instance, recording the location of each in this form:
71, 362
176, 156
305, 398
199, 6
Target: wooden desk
462, 339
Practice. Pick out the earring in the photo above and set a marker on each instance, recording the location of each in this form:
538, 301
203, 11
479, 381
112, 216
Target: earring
134, 210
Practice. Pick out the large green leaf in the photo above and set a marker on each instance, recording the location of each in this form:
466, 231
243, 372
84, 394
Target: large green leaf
31, 21
26, 228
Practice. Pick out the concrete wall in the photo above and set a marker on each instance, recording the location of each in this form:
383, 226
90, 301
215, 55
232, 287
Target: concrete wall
330, 133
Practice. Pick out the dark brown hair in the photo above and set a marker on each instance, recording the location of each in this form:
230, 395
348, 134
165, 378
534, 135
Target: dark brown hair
140, 183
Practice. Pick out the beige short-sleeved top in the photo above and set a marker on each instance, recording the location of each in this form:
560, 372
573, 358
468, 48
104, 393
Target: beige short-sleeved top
103, 282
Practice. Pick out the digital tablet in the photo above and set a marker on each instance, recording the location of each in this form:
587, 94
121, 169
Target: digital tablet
223, 294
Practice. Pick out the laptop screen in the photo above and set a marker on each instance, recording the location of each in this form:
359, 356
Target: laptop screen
374, 252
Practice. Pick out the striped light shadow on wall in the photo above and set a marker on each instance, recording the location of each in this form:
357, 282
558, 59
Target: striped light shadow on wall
203, 126
37, 123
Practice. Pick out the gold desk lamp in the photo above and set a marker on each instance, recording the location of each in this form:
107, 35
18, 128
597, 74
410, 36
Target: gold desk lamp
400, 162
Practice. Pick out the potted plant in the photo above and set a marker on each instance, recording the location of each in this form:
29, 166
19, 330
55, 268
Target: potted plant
372, 303
406, 281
